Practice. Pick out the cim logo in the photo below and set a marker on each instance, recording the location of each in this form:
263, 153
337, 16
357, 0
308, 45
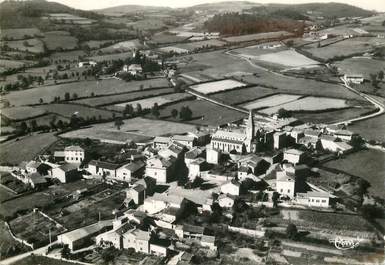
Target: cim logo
345, 244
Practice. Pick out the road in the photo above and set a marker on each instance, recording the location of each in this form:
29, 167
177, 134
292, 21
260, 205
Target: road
374, 101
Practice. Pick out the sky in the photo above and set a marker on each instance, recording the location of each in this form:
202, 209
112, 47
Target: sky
378, 5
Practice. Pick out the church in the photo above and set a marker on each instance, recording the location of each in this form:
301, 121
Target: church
239, 140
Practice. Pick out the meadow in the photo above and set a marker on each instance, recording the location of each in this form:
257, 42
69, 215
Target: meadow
147, 103
360, 65
257, 36
242, 95
123, 46
289, 58
367, 164
110, 57
370, 129
20, 33
308, 104
217, 86
82, 89
30, 45
60, 40
21, 113
270, 101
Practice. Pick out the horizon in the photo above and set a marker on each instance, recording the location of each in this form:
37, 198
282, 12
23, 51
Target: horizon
376, 5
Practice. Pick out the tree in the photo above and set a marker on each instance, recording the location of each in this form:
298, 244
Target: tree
357, 142
138, 108
282, 113
174, 113
129, 109
65, 252
23, 128
374, 80
66, 96
33, 125
380, 75
275, 198
74, 96
292, 231
118, 123
155, 110
41, 101
185, 113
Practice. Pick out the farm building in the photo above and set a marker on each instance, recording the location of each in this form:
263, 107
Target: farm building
314, 199
66, 173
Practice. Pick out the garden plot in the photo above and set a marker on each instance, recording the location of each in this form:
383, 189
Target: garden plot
217, 86
21, 113
271, 101
149, 102
289, 58
309, 104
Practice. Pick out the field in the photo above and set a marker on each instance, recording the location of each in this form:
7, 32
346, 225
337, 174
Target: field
260, 49
110, 57
204, 113
367, 164
149, 102
347, 47
34, 228
217, 86
107, 100
82, 89
270, 101
214, 65
9, 64
21, 113
67, 110
300, 86
289, 58
19, 34
173, 49
123, 46
42, 260
7, 243
32, 145
60, 40
371, 129
360, 65
137, 129
330, 116
238, 96
67, 55
96, 44
258, 36
30, 45
192, 46
309, 104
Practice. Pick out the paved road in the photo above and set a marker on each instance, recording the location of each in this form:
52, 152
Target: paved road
371, 99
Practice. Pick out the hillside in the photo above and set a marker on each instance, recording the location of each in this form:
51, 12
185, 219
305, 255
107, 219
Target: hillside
130, 9
15, 14
315, 9
225, 6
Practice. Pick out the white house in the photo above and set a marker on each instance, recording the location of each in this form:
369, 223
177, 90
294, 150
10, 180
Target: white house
102, 168
285, 184
73, 154
133, 69
355, 79
161, 142
86, 64
65, 173
195, 168
187, 141
231, 188
32, 166
213, 156
293, 156
191, 155
279, 140
333, 144
126, 172
314, 199
138, 240
160, 169
345, 135
225, 201
159, 202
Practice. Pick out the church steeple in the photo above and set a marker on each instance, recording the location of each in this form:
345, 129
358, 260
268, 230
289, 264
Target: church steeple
250, 126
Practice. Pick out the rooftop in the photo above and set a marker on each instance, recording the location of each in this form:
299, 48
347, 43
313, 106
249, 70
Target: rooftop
89, 230
103, 164
74, 148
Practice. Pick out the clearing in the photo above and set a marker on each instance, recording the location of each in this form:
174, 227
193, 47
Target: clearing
217, 86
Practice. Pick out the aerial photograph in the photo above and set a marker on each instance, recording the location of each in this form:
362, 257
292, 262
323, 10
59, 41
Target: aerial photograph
148, 132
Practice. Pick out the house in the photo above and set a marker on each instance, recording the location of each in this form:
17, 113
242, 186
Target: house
209, 242
345, 135
309, 142
32, 166
312, 133
185, 140
66, 173
101, 168
285, 184
355, 79
114, 237
73, 154
202, 138
37, 181
58, 156
334, 127
160, 168
160, 201
161, 142
191, 155
82, 237
86, 64
256, 164
149, 184
173, 150
195, 168
159, 247
243, 171
189, 231
280, 140
128, 171
134, 69
231, 188
138, 240
137, 193
225, 201
314, 199
213, 156
294, 156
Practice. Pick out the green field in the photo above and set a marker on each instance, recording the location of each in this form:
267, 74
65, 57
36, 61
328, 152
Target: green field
60, 40
371, 129
367, 164
7, 243
107, 100
204, 113
30, 45
243, 95
67, 110
20, 33
137, 129
361, 65
11, 151
41, 260
82, 89
21, 113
